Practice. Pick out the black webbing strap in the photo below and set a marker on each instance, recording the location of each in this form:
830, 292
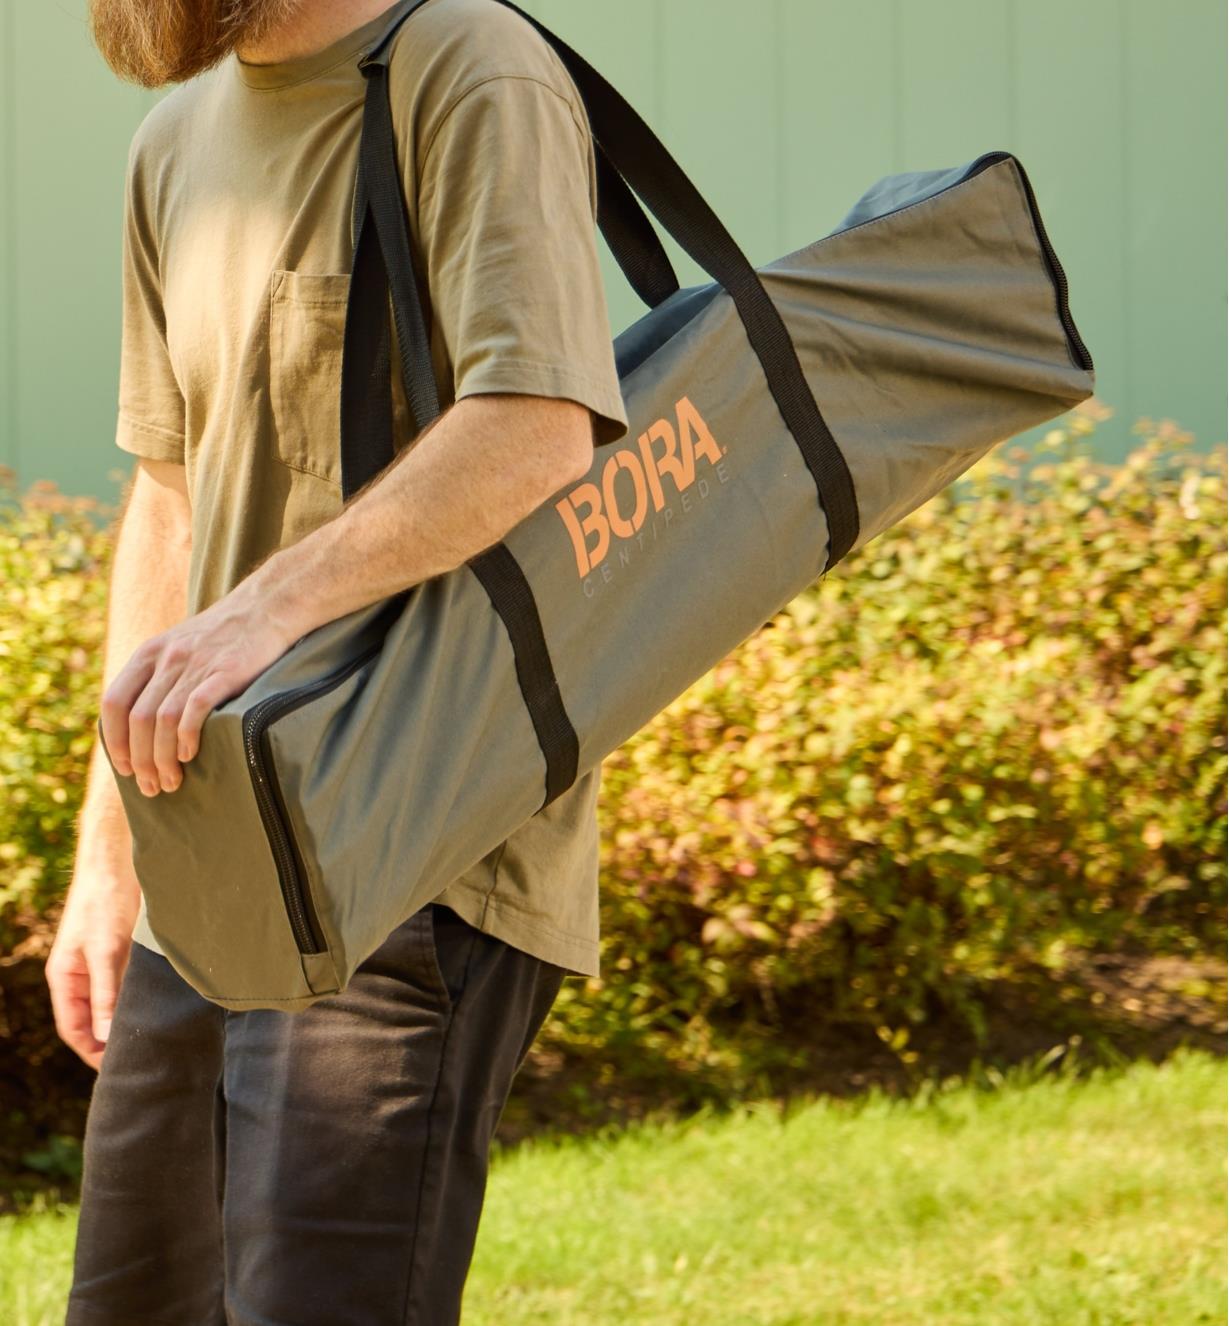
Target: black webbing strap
366, 382
511, 596
383, 259
380, 181
640, 157
630, 235
384, 262
628, 153
634, 244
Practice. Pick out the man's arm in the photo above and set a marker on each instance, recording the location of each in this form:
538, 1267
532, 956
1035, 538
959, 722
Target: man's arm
503, 173
487, 463
476, 472
147, 593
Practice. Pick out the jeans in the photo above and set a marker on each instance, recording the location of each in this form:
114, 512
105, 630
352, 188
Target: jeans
324, 1167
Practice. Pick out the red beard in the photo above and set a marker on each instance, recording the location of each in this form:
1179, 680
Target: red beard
155, 42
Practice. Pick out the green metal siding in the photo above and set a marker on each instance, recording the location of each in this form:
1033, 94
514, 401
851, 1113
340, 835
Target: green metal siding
783, 113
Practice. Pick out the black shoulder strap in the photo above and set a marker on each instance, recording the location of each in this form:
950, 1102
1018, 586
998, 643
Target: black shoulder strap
634, 156
642, 159
629, 233
384, 261
630, 156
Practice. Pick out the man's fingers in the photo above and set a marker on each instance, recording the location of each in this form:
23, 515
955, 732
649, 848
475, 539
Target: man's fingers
70, 1005
167, 741
106, 971
144, 721
197, 707
117, 702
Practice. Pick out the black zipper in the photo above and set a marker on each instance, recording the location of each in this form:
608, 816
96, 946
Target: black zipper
290, 871
1058, 277
1078, 349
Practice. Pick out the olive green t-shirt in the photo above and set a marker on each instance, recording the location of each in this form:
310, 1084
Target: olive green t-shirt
237, 250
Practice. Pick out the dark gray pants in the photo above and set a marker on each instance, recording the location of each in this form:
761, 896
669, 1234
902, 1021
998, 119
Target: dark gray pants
319, 1168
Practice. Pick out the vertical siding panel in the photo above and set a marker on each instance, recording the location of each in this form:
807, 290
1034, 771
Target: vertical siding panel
70, 154
8, 240
777, 41
837, 134
895, 76
620, 42
1175, 205
719, 118
1071, 139
952, 63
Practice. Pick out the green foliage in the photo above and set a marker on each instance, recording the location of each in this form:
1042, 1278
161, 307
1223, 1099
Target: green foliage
995, 736
54, 553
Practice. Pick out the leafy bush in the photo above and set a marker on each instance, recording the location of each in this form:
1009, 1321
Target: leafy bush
54, 558
54, 554
992, 738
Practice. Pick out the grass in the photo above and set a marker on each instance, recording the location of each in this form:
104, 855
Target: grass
1039, 1197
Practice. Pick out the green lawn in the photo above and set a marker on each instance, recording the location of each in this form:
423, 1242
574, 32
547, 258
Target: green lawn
1051, 1200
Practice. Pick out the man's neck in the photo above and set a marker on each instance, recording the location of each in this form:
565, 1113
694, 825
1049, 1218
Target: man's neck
310, 27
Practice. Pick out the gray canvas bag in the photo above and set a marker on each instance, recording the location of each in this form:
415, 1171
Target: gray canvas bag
779, 419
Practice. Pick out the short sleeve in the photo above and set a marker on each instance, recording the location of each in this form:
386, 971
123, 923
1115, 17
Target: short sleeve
151, 407
506, 213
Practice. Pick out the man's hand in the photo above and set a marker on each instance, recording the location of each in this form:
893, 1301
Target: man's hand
90, 954
480, 468
153, 711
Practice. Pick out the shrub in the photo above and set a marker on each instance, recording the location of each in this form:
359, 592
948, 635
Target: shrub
994, 737
54, 553
54, 559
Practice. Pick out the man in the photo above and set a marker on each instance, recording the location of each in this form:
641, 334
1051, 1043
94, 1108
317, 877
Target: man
322, 1167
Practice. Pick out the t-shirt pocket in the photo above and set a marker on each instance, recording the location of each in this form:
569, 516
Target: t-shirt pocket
307, 321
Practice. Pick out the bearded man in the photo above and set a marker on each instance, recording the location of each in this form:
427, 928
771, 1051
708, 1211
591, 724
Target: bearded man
324, 1167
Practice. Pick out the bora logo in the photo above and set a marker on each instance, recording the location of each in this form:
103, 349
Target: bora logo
664, 455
